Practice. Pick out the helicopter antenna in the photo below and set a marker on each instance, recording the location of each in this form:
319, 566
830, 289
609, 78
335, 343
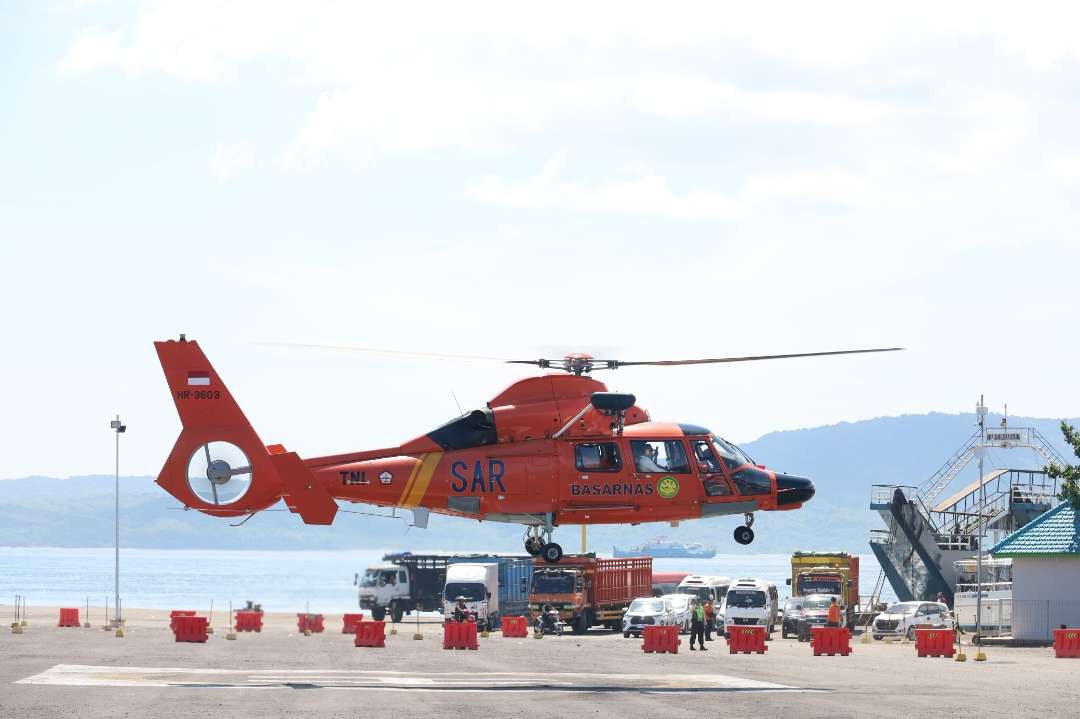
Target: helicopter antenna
461, 412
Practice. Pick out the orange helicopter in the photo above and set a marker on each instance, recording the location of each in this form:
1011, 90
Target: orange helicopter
547, 451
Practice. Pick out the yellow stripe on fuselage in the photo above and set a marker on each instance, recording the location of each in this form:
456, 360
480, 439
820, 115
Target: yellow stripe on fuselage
410, 480
419, 487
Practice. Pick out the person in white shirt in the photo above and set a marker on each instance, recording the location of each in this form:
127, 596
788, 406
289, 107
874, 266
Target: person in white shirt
646, 461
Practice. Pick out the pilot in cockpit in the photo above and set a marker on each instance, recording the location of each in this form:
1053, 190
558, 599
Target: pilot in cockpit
646, 461
706, 459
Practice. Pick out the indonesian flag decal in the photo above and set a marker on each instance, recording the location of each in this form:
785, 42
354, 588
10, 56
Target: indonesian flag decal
198, 378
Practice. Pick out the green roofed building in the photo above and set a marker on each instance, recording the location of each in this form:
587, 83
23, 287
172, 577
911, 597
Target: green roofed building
1046, 573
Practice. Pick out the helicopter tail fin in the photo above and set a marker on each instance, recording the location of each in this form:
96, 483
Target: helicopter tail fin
218, 464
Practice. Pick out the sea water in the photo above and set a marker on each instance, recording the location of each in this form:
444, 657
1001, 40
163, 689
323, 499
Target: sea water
282, 581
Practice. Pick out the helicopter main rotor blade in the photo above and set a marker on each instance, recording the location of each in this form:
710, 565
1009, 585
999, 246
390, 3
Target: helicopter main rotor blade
755, 358
373, 350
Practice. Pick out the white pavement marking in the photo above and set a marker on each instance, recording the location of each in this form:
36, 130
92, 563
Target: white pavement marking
83, 675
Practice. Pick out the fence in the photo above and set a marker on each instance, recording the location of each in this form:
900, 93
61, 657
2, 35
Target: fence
1036, 620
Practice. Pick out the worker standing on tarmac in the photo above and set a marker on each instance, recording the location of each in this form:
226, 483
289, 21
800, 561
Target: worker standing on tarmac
710, 617
697, 626
834, 614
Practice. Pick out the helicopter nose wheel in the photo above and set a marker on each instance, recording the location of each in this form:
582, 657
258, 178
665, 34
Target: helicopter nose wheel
534, 545
744, 535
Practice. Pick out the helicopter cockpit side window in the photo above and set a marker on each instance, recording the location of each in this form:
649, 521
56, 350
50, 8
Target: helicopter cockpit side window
597, 457
707, 461
657, 455
715, 484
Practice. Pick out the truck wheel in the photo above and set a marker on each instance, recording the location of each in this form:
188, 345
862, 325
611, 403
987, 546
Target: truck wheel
911, 633
378, 613
397, 612
581, 624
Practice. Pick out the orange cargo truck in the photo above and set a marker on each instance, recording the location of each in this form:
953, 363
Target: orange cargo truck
588, 591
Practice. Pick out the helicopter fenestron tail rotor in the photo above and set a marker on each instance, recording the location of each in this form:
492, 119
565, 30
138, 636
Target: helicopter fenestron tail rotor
219, 473
578, 363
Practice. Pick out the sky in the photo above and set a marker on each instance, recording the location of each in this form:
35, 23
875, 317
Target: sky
635, 180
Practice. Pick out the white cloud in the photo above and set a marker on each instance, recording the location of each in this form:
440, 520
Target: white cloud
698, 97
643, 196
226, 161
407, 78
652, 195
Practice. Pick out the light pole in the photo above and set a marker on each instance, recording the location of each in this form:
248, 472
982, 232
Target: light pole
980, 411
120, 428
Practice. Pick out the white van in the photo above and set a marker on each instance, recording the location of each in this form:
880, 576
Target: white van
751, 602
706, 587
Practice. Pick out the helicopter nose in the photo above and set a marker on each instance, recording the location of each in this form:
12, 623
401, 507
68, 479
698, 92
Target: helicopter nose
793, 490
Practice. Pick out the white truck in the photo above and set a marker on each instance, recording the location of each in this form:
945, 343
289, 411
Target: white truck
479, 584
387, 587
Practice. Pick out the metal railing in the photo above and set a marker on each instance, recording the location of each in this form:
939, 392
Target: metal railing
880, 536
884, 493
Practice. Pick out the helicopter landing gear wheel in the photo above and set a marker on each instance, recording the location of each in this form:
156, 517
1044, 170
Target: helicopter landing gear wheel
552, 553
744, 535
534, 545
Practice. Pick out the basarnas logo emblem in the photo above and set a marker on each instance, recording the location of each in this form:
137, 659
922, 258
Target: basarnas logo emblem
386, 478
667, 487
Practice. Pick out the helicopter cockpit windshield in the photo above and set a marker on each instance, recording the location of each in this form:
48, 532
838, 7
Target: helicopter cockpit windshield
733, 456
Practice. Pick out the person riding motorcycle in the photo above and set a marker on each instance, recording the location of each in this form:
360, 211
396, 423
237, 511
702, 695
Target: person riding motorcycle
461, 612
549, 620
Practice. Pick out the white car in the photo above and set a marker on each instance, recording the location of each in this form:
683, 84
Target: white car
646, 612
681, 610
900, 619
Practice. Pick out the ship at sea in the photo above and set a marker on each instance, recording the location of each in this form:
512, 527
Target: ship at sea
663, 548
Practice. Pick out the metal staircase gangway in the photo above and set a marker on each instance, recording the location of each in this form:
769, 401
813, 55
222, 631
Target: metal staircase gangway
926, 536
1004, 437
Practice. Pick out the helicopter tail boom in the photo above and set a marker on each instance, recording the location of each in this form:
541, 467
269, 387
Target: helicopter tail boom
218, 464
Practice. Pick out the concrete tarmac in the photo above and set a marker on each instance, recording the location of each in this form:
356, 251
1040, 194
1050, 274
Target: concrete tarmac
53, 672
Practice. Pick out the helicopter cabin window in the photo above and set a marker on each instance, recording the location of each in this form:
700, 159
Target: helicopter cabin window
475, 429
657, 455
597, 457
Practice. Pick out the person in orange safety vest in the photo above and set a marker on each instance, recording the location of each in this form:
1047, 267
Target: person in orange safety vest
834, 614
